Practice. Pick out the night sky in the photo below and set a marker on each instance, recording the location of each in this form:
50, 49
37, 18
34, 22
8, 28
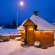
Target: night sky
8, 10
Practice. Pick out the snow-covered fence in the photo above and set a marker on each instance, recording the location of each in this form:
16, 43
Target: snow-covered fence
14, 35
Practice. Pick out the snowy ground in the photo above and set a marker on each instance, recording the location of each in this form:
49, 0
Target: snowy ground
13, 47
8, 47
34, 51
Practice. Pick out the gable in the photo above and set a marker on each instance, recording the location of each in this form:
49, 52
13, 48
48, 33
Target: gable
28, 22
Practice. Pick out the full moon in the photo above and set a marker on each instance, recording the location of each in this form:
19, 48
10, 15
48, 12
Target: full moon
21, 3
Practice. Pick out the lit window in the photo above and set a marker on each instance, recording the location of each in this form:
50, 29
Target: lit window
30, 28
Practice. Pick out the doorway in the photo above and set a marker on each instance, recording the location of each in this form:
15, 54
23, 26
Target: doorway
30, 35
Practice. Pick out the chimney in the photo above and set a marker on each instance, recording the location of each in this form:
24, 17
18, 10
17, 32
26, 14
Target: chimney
35, 12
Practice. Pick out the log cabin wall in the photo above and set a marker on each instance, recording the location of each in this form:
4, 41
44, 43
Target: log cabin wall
23, 35
45, 37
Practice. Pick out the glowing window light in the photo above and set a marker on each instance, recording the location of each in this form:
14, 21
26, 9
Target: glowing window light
30, 28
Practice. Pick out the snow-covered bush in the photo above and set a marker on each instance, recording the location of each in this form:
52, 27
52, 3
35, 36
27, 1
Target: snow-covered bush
1, 40
18, 38
37, 43
22, 42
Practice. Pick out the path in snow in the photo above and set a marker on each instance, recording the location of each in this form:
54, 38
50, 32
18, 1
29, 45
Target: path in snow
21, 50
13, 47
8, 47
34, 51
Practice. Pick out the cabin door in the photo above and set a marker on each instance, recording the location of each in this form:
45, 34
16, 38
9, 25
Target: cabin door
30, 35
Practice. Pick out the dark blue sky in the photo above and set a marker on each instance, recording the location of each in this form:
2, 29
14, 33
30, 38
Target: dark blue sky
8, 10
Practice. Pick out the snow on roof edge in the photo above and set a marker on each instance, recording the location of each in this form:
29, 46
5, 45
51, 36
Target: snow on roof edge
40, 22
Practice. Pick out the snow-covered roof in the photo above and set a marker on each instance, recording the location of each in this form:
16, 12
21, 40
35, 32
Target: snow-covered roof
40, 22
21, 27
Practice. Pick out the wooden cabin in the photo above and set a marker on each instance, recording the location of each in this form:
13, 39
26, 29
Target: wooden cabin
5, 37
30, 33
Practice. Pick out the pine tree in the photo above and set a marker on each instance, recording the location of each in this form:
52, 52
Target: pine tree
14, 24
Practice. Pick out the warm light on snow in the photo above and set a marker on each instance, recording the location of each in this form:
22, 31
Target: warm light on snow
21, 3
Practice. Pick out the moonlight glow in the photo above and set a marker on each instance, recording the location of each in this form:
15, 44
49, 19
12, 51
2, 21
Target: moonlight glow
21, 3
